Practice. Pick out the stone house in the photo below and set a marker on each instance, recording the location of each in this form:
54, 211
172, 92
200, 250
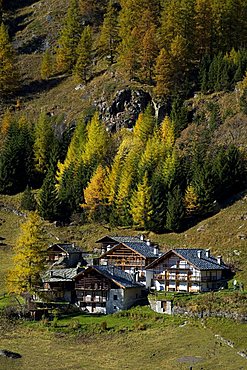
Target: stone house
107, 289
187, 270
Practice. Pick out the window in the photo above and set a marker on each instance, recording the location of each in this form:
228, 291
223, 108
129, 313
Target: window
115, 297
114, 307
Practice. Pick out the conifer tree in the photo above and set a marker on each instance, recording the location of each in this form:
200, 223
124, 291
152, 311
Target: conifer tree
128, 59
75, 151
83, 67
148, 54
97, 143
69, 39
94, 194
145, 125
109, 39
29, 256
164, 70
8, 69
167, 133
141, 204
44, 137
191, 200
28, 201
48, 198
46, 65
175, 210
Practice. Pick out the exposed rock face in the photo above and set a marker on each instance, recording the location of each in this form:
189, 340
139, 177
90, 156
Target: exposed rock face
6, 353
124, 109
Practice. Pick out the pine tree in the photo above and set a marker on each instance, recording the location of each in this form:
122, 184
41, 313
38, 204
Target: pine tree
69, 39
28, 201
29, 257
83, 67
141, 204
46, 65
175, 210
48, 198
109, 39
8, 69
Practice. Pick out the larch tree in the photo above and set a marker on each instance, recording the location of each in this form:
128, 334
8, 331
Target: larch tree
69, 39
94, 194
145, 125
44, 136
83, 67
8, 69
46, 65
148, 54
167, 133
191, 200
141, 207
29, 256
109, 38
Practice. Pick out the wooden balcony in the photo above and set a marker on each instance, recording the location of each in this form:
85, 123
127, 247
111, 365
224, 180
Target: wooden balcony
93, 299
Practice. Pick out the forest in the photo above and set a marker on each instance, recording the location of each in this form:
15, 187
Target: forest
142, 176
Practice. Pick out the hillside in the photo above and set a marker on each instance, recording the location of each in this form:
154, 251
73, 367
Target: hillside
194, 167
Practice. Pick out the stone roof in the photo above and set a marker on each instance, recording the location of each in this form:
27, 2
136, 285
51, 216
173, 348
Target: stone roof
202, 263
67, 247
142, 248
191, 255
121, 239
56, 275
118, 276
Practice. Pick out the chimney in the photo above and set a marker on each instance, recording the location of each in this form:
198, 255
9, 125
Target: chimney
142, 237
207, 253
199, 254
156, 250
148, 243
219, 260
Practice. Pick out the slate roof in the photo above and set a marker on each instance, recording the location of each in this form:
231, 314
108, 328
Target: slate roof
142, 248
119, 276
203, 263
121, 239
56, 275
67, 247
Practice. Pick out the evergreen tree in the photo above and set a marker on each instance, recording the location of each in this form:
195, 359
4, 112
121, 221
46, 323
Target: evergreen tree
8, 69
175, 210
141, 204
69, 39
48, 198
28, 201
83, 67
29, 256
109, 39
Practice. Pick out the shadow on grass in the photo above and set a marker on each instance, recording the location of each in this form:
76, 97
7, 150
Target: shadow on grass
36, 44
38, 86
14, 5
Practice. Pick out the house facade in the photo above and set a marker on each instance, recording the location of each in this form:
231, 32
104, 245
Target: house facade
187, 270
58, 285
64, 254
106, 289
130, 256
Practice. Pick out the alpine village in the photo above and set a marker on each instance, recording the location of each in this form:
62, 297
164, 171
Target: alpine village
123, 184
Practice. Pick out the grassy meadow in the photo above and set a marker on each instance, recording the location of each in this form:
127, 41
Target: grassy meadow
164, 346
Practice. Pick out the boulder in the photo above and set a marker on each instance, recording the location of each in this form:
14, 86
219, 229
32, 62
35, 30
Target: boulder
9, 354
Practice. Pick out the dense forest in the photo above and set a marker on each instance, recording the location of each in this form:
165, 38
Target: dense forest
141, 176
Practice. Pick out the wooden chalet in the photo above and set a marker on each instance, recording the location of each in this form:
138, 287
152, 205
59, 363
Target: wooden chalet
106, 289
130, 256
187, 270
65, 254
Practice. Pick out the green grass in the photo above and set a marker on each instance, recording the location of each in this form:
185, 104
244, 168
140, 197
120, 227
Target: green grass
158, 347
